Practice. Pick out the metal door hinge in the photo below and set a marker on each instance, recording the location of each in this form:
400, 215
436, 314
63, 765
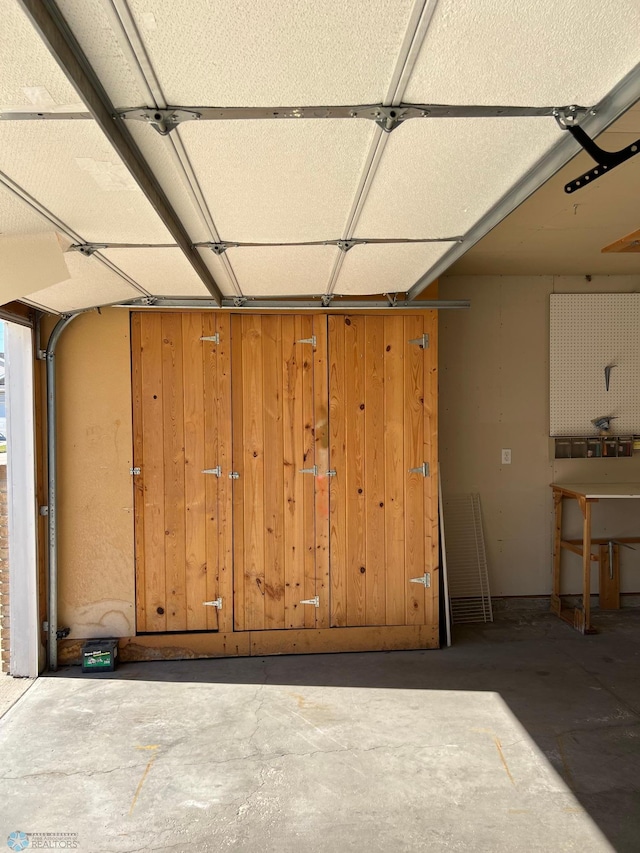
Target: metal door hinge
134, 471
213, 338
422, 342
424, 579
233, 475
215, 603
315, 601
311, 340
423, 469
313, 471
217, 471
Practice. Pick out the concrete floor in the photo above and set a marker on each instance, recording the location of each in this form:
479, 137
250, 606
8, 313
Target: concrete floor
524, 736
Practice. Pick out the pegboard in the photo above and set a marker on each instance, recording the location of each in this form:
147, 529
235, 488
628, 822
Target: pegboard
588, 332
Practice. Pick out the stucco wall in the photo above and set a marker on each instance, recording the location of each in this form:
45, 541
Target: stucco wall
494, 379
96, 553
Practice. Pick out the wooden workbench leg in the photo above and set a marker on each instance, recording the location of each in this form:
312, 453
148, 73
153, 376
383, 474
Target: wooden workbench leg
586, 568
609, 578
556, 604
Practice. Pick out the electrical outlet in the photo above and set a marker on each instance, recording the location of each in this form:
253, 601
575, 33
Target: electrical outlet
506, 456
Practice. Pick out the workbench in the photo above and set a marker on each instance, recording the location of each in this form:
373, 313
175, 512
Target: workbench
608, 555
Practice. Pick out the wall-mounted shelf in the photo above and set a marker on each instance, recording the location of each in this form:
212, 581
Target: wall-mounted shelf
595, 446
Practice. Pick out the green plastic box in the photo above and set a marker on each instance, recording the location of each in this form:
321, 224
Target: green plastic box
99, 655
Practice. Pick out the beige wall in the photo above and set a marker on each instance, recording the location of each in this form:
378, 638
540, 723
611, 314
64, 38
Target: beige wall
494, 394
96, 556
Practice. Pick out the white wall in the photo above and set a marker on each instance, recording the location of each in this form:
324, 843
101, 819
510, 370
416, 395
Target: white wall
494, 394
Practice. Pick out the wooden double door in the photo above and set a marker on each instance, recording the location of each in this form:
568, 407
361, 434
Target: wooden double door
285, 471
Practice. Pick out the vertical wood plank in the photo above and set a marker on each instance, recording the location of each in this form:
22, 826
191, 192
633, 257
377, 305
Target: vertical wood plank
293, 441
153, 426
238, 486
322, 460
273, 477
308, 481
355, 433
224, 487
211, 418
375, 472
414, 450
337, 488
430, 434
174, 497
394, 469
253, 487
196, 565
138, 462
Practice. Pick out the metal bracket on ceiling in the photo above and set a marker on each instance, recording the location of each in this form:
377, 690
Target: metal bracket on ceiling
393, 299
87, 249
345, 245
569, 116
221, 247
388, 118
164, 121
239, 301
325, 300
606, 160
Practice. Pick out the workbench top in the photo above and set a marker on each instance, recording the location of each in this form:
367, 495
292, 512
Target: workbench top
594, 491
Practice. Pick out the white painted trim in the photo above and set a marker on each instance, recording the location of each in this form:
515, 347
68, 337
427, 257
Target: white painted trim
21, 502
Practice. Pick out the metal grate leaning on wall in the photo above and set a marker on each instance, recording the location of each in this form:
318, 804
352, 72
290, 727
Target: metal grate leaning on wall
469, 594
588, 332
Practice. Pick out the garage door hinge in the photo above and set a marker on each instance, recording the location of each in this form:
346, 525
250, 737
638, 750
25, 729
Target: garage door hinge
134, 471
423, 469
315, 601
313, 470
215, 603
422, 342
217, 471
424, 579
311, 340
214, 338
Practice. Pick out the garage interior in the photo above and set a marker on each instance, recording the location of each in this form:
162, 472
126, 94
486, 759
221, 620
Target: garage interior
283, 268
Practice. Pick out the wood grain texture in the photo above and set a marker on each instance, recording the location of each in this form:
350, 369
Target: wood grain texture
174, 486
153, 474
212, 484
274, 421
324, 463
196, 562
273, 462
375, 473
138, 461
292, 357
354, 395
221, 362
417, 526
305, 428
258, 643
430, 433
395, 469
238, 486
338, 485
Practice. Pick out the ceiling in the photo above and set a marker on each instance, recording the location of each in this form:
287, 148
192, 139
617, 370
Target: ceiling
287, 175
